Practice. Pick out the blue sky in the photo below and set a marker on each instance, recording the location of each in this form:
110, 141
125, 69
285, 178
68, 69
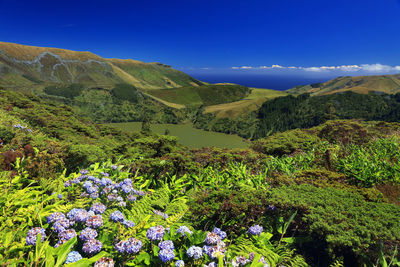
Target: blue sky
355, 37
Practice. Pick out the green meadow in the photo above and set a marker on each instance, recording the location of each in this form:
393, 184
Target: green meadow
188, 136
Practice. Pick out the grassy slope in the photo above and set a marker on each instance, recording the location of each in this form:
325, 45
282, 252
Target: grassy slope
202, 95
53, 65
362, 84
251, 103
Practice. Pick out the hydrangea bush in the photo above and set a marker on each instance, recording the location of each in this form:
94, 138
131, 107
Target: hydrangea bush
105, 229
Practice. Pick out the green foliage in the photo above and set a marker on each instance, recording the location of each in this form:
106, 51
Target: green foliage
344, 220
286, 143
84, 155
6, 134
126, 92
65, 90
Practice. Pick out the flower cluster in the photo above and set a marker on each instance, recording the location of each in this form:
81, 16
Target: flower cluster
155, 233
195, 252
255, 230
166, 245
105, 188
179, 263
92, 246
73, 256
98, 208
130, 246
166, 255
104, 262
32, 235
216, 250
184, 230
64, 236
87, 234
94, 221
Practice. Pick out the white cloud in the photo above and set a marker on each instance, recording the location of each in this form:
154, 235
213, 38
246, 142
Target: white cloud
365, 68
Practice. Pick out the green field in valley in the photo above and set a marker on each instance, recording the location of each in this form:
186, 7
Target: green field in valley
189, 136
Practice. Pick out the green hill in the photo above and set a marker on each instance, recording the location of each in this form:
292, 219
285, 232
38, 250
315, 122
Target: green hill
389, 84
26, 67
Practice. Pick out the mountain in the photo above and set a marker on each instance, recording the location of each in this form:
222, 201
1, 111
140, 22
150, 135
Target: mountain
23, 67
389, 84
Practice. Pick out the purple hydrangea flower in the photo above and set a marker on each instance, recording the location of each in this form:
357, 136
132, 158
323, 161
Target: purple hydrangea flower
167, 244
60, 196
104, 262
122, 204
87, 184
68, 183
95, 221
133, 246
98, 208
81, 215
240, 261
56, 216
131, 197
183, 230
87, 234
219, 232
92, 190
114, 167
255, 230
112, 197
106, 181
155, 233
83, 171
212, 238
73, 256
61, 225
120, 246
215, 251
212, 264
71, 213
117, 216
64, 236
126, 188
32, 235
128, 224
92, 246
166, 255
105, 174
179, 263
94, 195
195, 252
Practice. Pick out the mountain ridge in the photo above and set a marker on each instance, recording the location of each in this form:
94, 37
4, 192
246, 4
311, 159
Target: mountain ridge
22, 66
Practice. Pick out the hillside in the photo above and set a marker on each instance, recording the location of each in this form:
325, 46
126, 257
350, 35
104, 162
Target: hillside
324, 196
27, 67
389, 84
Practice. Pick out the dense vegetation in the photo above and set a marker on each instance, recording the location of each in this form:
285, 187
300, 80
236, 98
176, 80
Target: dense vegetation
205, 95
324, 196
290, 112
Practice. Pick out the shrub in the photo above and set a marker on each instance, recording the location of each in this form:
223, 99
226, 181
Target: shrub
6, 134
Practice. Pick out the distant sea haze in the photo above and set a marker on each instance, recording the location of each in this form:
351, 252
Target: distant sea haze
277, 82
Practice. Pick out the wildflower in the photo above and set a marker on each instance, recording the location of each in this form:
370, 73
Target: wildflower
84, 171
32, 235
255, 230
98, 208
114, 167
166, 255
61, 225
105, 174
194, 252
81, 215
117, 216
128, 224
92, 246
68, 183
104, 262
240, 261
155, 233
168, 244
179, 263
183, 230
56, 216
73, 256
87, 234
122, 204
133, 245
131, 197
212, 238
219, 232
64, 236
60, 196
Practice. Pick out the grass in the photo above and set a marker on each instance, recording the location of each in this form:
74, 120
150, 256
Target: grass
251, 103
187, 135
